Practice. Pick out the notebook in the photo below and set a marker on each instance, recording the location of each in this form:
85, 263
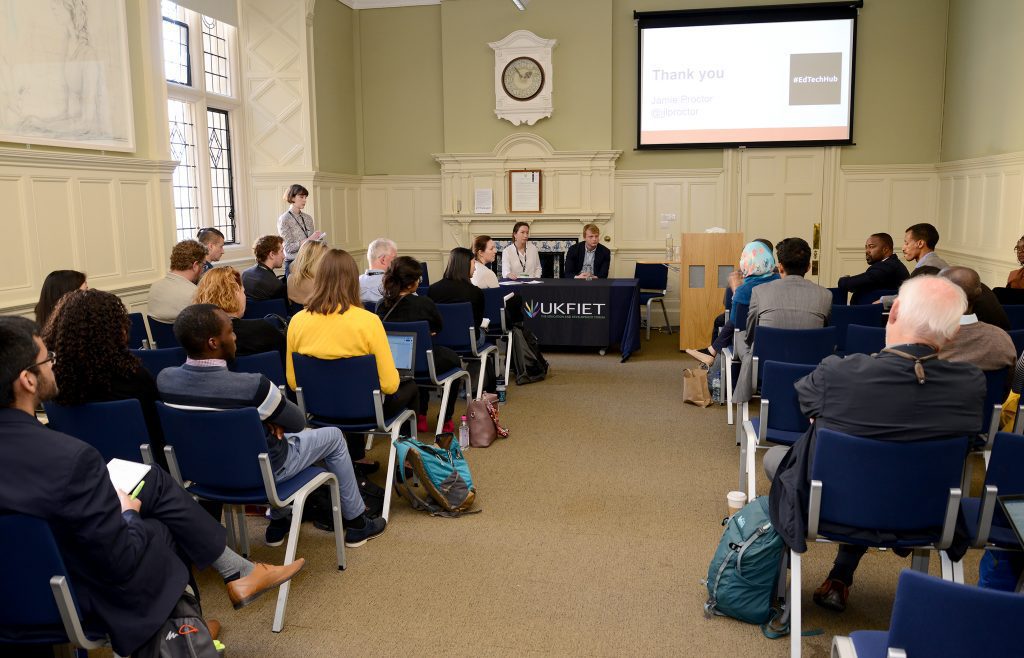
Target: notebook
403, 351
126, 475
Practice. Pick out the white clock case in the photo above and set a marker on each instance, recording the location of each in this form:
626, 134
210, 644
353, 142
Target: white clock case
523, 43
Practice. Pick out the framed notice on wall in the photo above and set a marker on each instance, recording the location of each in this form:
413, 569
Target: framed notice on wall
524, 190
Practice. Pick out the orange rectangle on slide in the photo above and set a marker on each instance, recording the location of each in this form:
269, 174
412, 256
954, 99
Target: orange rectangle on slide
743, 135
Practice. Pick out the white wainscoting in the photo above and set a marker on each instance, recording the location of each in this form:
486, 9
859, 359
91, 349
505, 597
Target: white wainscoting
406, 209
110, 217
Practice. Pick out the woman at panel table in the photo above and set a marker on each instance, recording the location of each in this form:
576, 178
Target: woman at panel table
401, 304
222, 287
484, 253
520, 259
334, 325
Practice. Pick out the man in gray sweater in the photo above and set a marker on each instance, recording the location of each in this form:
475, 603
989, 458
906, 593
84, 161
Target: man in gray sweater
204, 383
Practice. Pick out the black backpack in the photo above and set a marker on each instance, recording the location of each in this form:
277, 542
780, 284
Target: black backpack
528, 364
183, 635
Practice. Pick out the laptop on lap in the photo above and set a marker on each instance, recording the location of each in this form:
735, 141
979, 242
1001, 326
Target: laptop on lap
403, 351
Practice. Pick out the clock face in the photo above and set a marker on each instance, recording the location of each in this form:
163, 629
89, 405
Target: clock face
523, 78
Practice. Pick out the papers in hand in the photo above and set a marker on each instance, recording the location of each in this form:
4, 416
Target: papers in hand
126, 475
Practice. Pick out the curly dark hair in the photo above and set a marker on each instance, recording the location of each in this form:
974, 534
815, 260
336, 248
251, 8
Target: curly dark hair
89, 330
402, 272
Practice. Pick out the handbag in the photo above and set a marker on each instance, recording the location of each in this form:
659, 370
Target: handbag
482, 417
695, 387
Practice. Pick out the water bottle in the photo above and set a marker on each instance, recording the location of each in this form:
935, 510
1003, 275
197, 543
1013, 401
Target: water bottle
463, 434
501, 390
716, 386
557, 269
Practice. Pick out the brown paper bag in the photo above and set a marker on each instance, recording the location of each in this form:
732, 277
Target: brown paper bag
695, 387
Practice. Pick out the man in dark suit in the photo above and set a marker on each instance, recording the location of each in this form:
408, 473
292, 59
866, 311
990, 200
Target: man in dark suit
260, 281
125, 556
903, 393
587, 259
885, 270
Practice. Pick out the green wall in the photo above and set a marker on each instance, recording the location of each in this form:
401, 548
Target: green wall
984, 100
401, 89
335, 51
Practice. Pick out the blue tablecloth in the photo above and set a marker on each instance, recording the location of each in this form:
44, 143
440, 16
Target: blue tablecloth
623, 317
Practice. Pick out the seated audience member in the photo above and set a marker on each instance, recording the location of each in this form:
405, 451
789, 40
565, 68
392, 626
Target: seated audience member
378, 256
1016, 278
903, 393
222, 287
300, 279
521, 258
259, 281
402, 304
757, 266
885, 271
919, 243
484, 253
986, 346
334, 326
213, 240
588, 259
205, 382
56, 284
90, 332
125, 556
456, 285
167, 296
986, 307
789, 303
296, 226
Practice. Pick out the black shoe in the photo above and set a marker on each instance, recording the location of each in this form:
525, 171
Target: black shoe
277, 531
366, 468
832, 595
372, 527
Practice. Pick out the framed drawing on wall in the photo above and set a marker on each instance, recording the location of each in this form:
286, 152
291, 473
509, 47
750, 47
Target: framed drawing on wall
524, 190
64, 75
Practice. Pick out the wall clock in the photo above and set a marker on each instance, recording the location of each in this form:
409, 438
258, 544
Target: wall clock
523, 77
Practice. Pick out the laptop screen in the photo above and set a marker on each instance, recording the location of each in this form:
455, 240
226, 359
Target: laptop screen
403, 351
1013, 506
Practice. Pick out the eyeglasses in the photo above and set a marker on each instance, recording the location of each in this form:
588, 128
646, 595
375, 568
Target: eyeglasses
51, 357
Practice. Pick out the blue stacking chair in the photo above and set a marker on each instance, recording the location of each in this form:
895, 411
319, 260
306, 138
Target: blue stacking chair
138, 338
859, 483
460, 334
932, 617
806, 346
369, 306
653, 288
1016, 314
162, 333
868, 315
871, 296
425, 371
864, 340
425, 274
38, 596
838, 296
115, 429
257, 310
223, 455
1017, 336
987, 525
500, 330
780, 421
729, 360
267, 364
360, 409
156, 360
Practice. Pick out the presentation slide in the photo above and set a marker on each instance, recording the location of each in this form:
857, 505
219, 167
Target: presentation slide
746, 83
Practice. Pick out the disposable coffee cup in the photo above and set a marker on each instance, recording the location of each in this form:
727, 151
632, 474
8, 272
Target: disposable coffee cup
736, 500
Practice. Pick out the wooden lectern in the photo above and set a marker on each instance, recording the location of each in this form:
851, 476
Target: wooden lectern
705, 261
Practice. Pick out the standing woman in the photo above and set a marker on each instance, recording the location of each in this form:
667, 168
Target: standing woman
520, 259
56, 285
334, 325
484, 253
294, 225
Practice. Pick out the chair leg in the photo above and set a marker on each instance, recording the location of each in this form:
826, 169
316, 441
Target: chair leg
951, 571
508, 362
229, 526
243, 534
664, 311
649, 318
369, 441
919, 562
389, 478
751, 454
480, 384
742, 416
743, 466
795, 630
727, 367
289, 556
445, 393
339, 531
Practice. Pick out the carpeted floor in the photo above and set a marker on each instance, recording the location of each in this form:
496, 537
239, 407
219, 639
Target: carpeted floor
600, 515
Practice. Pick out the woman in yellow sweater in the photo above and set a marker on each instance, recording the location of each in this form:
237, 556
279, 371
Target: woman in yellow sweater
334, 325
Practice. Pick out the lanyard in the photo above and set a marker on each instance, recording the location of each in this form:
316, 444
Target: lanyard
301, 222
522, 259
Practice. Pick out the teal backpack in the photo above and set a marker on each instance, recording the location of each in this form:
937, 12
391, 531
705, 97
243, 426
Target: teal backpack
744, 572
441, 470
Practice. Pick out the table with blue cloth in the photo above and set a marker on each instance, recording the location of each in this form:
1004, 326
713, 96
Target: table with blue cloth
598, 313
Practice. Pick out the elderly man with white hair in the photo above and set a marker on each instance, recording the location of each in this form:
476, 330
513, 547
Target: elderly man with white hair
903, 393
378, 256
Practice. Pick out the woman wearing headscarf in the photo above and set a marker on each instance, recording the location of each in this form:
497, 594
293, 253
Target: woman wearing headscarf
757, 266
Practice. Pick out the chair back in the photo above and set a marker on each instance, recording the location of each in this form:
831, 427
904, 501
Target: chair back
162, 333
369, 305
870, 296
216, 448
422, 290
961, 620
864, 340
838, 296
995, 393
28, 545
424, 342
886, 485
1005, 470
458, 318
115, 429
1016, 314
425, 274
137, 331
257, 310
267, 364
323, 380
156, 360
806, 346
494, 301
740, 319
869, 315
652, 276
777, 388
1017, 336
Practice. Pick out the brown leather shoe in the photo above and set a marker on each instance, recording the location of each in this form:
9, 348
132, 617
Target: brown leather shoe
832, 595
214, 627
244, 591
